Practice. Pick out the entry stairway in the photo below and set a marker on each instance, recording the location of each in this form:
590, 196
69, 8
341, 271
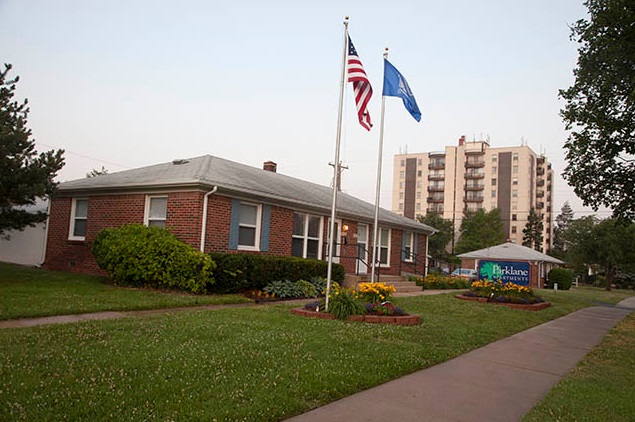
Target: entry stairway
401, 283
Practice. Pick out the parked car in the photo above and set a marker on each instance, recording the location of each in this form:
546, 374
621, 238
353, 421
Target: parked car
467, 273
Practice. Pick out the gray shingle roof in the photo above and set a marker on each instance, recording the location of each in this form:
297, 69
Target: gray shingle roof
239, 180
511, 251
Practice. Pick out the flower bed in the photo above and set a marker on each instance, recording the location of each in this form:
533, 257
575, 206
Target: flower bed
373, 319
508, 294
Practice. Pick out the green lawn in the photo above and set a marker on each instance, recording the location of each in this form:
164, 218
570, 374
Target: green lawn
601, 387
32, 292
256, 363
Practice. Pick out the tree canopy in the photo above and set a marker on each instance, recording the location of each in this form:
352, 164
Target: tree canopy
24, 175
600, 108
532, 233
438, 242
480, 230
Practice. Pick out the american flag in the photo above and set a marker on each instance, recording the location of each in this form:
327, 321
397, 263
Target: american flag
361, 85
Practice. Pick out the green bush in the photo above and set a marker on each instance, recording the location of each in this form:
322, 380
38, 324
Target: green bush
136, 255
307, 288
238, 272
344, 303
562, 276
284, 289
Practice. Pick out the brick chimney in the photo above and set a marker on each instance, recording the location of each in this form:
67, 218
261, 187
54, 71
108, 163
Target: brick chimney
270, 166
462, 140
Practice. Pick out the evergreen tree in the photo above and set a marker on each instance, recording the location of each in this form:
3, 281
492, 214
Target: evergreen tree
600, 108
562, 222
24, 175
532, 233
480, 230
95, 172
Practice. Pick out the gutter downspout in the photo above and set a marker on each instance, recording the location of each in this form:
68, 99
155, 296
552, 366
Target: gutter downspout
204, 224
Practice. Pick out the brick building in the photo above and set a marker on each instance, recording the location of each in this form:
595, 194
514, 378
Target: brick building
217, 205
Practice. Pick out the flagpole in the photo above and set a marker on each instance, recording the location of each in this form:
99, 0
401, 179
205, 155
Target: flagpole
378, 186
329, 271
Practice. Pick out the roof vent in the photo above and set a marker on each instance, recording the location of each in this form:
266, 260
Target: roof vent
179, 161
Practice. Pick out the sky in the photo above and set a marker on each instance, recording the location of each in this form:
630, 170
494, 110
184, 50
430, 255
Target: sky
129, 83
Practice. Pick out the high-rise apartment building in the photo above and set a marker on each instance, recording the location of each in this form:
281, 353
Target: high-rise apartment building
474, 175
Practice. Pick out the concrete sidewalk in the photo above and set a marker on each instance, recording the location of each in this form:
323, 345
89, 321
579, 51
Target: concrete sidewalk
498, 382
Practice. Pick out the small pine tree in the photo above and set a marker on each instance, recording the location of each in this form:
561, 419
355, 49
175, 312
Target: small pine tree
532, 233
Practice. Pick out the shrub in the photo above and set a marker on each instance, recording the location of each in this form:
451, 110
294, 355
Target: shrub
284, 289
508, 292
625, 281
137, 255
237, 272
344, 303
441, 282
307, 288
562, 276
320, 285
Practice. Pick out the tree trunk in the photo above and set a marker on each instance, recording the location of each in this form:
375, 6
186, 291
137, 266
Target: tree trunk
608, 277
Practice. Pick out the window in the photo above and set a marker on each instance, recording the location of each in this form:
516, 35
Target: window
383, 252
403, 163
401, 206
156, 211
306, 236
418, 208
515, 181
493, 182
514, 193
402, 174
418, 173
515, 157
400, 195
418, 195
494, 158
79, 219
493, 194
513, 229
418, 185
514, 169
249, 226
419, 162
514, 217
400, 185
494, 169
407, 246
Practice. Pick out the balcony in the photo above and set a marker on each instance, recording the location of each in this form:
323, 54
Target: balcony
433, 188
474, 164
474, 186
434, 210
540, 205
540, 171
439, 165
435, 199
474, 198
540, 194
474, 175
436, 176
540, 182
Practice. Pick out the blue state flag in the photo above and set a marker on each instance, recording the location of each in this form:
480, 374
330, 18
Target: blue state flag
395, 85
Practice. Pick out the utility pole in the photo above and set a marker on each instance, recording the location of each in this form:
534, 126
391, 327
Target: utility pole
340, 168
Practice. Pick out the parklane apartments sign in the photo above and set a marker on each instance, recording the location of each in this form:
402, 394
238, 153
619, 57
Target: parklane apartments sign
504, 271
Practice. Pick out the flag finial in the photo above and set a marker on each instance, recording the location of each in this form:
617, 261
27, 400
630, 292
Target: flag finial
386, 53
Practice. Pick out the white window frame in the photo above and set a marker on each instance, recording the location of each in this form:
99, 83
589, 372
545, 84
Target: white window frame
305, 236
146, 218
257, 226
409, 242
379, 247
74, 218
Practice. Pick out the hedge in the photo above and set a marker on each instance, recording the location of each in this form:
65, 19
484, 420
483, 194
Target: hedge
237, 272
136, 255
562, 276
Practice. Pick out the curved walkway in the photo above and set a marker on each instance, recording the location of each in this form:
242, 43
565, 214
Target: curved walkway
498, 382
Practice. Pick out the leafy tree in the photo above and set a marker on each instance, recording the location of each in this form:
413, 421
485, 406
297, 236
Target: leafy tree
562, 223
24, 175
601, 108
438, 242
95, 172
532, 233
480, 230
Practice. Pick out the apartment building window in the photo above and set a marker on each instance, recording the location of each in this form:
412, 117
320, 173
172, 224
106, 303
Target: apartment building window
400, 185
305, 241
79, 219
513, 229
156, 211
494, 169
400, 195
418, 208
418, 185
418, 173
494, 158
514, 217
493, 182
402, 174
418, 195
515, 157
403, 163
401, 206
514, 193
514, 169
420, 162
493, 194
515, 181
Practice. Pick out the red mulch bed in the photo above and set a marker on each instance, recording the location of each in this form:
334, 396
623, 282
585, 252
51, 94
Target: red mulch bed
523, 306
373, 319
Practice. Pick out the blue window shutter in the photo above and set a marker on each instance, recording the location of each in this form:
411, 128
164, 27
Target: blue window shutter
234, 224
266, 228
403, 245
